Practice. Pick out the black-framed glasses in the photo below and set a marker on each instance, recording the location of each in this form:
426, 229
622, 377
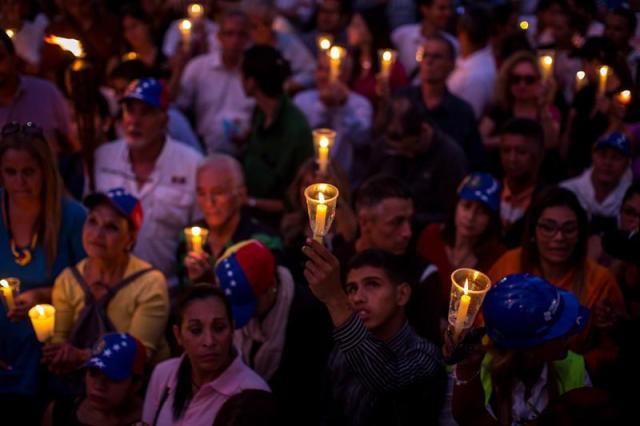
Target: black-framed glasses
549, 228
29, 128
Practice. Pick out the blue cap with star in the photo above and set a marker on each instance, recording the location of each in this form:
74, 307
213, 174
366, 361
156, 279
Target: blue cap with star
118, 356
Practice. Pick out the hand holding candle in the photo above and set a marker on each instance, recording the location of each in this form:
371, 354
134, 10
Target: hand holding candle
321, 206
43, 319
9, 287
323, 141
468, 288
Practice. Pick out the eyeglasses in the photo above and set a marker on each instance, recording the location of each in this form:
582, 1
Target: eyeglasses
549, 228
527, 79
28, 128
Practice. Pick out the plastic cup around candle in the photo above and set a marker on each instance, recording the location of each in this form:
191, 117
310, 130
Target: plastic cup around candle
195, 237
323, 140
321, 207
43, 320
9, 289
465, 303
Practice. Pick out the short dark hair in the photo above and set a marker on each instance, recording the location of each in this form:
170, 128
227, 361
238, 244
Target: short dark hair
526, 128
378, 188
442, 39
131, 69
628, 15
476, 22
394, 266
7, 42
268, 67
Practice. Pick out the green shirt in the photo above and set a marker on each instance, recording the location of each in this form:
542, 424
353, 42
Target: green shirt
275, 153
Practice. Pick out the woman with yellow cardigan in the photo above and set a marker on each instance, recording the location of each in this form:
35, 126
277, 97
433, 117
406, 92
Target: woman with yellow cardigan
110, 290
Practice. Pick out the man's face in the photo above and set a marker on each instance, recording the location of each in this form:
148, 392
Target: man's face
617, 30
260, 29
143, 124
375, 299
387, 226
609, 165
7, 66
328, 16
233, 36
437, 62
219, 196
519, 156
439, 13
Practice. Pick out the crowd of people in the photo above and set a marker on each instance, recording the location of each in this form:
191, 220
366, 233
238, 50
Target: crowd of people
502, 136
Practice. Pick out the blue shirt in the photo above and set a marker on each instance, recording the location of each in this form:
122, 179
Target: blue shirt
18, 345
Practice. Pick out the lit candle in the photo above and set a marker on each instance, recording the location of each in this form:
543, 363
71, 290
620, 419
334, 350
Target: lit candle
624, 97
336, 54
43, 318
10, 33
463, 308
7, 293
387, 59
185, 31
546, 63
323, 41
195, 12
321, 218
69, 44
604, 74
196, 239
323, 154
524, 25
581, 80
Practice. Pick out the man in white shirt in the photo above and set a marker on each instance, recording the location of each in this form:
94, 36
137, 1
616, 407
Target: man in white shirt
436, 15
600, 189
156, 169
474, 77
211, 87
334, 106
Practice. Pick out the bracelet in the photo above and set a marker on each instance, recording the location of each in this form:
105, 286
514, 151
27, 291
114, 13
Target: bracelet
459, 382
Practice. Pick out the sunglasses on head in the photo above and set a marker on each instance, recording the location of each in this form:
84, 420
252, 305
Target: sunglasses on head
28, 128
526, 78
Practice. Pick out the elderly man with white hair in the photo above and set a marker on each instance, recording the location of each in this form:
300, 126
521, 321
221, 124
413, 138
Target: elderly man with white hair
221, 195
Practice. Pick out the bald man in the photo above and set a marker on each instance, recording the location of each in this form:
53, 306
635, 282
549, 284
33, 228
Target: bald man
221, 195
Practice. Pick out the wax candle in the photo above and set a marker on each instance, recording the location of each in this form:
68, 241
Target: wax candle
195, 12
546, 63
324, 43
463, 308
7, 294
69, 44
43, 318
624, 97
602, 86
185, 31
581, 80
10, 33
323, 154
336, 53
387, 59
321, 218
196, 239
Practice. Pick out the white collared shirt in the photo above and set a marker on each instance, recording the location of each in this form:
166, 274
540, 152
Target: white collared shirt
408, 39
474, 79
167, 198
215, 95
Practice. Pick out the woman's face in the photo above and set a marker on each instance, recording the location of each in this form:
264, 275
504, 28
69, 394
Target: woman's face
21, 175
134, 31
524, 81
557, 234
357, 31
104, 394
106, 233
630, 214
206, 334
471, 219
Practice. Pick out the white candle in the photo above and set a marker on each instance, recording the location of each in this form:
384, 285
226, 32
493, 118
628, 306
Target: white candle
196, 239
195, 12
336, 54
43, 319
321, 218
463, 307
185, 31
581, 80
387, 58
546, 63
323, 154
7, 293
602, 86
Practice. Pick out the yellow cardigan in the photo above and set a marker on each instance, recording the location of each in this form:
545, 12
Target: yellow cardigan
140, 309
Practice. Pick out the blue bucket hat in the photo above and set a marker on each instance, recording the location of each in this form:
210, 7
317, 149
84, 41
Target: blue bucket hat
615, 140
524, 310
118, 356
147, 90
481, 187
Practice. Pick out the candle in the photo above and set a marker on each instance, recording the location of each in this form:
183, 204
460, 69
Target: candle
321, 218
524, 25
10, 33
602, 86
69, 44
323, 41
581, 80
463, 308
546, 63
323, 154
196, 237
387, 59
43, 318
624, 97
185, 31
336, 54
195, 12
8, 287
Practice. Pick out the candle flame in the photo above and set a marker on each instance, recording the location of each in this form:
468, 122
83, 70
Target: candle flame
625, 93
10, 33
604, 70
4, 283
581, 75
466, 286
40, 310
69, 44
322, 187
324, 142
336, 53
547, 60
185, 25
321, 197
195, 9
524, 25
196, 231
325, 43
387, 55
130, 56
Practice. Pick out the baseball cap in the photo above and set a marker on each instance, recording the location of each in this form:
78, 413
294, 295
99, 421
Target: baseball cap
148, 90
125, 203
481, 187
615, 140
245, 272
524, 310
118, 356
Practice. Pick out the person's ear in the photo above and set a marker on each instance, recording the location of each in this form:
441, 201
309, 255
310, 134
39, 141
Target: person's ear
403, 294
177, 334
365, 219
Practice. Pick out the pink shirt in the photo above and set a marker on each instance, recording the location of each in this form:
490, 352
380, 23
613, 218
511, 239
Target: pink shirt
206, 403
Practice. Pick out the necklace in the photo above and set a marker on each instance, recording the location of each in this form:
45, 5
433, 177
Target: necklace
22, 255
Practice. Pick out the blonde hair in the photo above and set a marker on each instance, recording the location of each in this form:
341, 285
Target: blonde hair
51, 192
503, 96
